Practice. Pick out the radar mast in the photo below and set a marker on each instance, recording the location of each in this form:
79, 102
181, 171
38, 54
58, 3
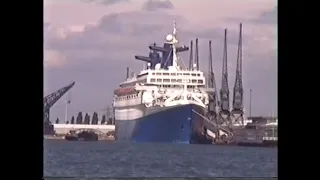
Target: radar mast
174, 41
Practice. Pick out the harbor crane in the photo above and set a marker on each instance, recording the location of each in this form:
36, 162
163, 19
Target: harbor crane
52, 98
191, 56
224, 113
213, 96
237, 103
194, 63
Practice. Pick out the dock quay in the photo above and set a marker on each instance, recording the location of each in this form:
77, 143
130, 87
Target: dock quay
261, 136
104, 132
99, 128
62, 137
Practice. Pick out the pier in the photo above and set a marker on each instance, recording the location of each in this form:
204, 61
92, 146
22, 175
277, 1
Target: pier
62, 129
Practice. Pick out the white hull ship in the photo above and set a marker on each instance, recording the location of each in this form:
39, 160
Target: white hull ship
163, 103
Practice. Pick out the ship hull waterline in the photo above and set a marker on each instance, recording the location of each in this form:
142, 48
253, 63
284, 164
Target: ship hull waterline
179, 124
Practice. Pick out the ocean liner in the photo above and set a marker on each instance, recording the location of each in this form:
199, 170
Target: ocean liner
164, 102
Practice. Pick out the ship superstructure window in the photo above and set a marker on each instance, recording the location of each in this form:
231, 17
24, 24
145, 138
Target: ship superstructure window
158, 73
193, 74
200, 81
126, 97
179, 74
152, 80
166, 74
166, 80
173, 80
194, 81
159, 80
179, 80
186, 74
173, 74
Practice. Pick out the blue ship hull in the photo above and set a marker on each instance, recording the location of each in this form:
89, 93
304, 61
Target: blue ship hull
179, 124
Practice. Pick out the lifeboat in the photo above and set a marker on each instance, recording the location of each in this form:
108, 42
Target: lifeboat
125, 91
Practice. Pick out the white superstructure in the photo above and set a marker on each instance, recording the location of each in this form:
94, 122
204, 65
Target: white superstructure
145, 92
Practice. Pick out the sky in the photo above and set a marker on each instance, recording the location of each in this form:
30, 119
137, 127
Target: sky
92, 42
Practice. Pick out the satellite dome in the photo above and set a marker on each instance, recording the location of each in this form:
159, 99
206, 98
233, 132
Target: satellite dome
169, 37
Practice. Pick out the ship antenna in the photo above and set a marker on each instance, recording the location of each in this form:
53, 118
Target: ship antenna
174, 42
174, 29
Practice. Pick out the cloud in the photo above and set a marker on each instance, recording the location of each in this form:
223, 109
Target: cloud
105, 2
152, 5
53, 59
96, 53
269, 16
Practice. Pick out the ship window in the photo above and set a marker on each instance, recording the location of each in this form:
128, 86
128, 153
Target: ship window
173, 74
153, 73
200, 81
198, 74
179, 80
158, 73
166, 80
194, 81
173, 80
159, 80
179, 74
166, 74
187, 74
152, 80
193, 74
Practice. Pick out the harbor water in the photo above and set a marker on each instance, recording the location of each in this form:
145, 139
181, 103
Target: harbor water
114, 159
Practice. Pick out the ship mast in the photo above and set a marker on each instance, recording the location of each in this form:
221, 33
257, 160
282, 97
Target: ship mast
174, 43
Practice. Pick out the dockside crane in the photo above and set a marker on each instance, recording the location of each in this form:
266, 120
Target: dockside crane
213, 96
51, 99
224, 113
191, 63
197, 55
237, 104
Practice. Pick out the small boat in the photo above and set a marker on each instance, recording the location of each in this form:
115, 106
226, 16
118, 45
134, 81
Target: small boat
82, 136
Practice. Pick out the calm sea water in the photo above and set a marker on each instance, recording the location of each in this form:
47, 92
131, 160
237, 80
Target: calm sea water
112, 159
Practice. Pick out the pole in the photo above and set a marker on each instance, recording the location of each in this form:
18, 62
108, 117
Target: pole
250, 102
66, 115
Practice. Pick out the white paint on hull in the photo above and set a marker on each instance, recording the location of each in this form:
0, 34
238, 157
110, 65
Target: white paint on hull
130, 113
